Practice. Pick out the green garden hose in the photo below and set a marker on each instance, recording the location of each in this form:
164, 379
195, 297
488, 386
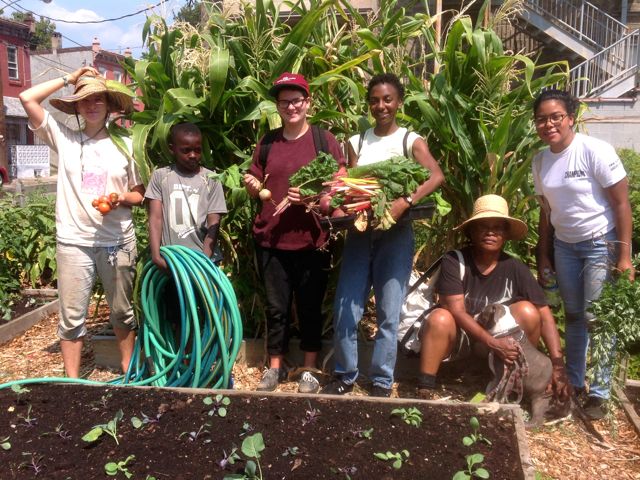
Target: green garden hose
191, 330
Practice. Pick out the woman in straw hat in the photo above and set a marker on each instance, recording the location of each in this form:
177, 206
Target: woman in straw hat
490, 276
89, 242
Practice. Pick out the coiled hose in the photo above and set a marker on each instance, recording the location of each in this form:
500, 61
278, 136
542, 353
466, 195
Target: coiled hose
193, 345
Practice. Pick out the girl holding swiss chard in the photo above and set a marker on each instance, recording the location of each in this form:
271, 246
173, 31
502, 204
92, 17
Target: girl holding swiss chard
381, 259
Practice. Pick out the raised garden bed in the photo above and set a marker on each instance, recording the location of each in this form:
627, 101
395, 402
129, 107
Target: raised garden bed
629, 397
33, 306
185, 435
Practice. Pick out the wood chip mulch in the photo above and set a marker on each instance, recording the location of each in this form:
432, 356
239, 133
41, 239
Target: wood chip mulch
559, 451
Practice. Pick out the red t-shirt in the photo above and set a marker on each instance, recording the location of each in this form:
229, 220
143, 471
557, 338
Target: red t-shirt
293, 229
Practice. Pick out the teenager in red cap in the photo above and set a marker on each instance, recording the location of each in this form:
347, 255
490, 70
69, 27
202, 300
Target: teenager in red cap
290, 247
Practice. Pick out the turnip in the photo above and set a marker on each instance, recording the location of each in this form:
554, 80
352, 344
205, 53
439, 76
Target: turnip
265, 195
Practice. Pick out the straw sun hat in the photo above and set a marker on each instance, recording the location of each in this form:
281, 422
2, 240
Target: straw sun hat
120, 98
494, 206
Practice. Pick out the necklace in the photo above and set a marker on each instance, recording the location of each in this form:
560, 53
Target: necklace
91, 137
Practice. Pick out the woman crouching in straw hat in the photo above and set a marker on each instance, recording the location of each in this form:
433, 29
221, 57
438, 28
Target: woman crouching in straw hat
90, 165
490, 276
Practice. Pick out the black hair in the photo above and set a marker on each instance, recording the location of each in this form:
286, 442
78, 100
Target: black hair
280, 88
389, 78
184, 128
570, 102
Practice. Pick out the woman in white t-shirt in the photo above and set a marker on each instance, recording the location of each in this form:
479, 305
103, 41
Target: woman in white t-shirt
378, 259
90, 244
585, 227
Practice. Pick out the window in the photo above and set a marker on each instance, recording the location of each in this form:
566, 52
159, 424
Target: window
117, 76
103, 71
12, 57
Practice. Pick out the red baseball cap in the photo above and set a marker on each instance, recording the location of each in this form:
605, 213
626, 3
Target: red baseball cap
289, 80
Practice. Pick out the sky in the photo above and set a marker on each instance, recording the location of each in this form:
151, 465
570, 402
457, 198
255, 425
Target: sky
113, 35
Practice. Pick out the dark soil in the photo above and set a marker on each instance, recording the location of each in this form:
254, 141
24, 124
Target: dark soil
328, 446
27, 304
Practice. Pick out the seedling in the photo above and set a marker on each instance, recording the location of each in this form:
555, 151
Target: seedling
367, 434
146, 420
35, 463
19, 391
110, 428
398, 457
251, 447
28, 420
346, 471
193, 436
220, 404
112, 468
291, 451
246, 428
311, 416
474, 470
411, 416
230, 459
476, 436
63, 434
5, 444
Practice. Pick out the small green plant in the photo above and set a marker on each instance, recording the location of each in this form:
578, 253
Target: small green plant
19, 391
146, 420
195, 435
230, 459
246, 428
366, 434
398, 458
252, 447
311, 416
346, 471
219, 405
5, 444
28, 420
291, 452
476, 436
474, 470
110, 428
34, 463
112, 468
60, 432
411, 416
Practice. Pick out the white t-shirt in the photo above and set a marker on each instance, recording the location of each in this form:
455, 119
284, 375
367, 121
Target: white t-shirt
377, 149
574, 182
102, 170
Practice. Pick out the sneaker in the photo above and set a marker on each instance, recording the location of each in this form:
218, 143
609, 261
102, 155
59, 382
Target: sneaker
595, 408
271, 378
337, 387
379, 391
308, 383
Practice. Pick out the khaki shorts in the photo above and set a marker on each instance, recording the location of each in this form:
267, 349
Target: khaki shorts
78, 267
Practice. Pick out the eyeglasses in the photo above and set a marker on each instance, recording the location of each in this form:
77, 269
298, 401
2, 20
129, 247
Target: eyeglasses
296, 102
555, 119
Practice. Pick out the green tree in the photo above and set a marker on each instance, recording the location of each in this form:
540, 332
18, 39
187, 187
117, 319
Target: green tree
190, 13
41, 38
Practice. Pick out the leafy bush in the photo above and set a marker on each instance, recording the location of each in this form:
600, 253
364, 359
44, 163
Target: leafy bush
631, 161
27, 244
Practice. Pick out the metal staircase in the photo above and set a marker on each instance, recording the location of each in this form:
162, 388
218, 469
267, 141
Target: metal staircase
612, 53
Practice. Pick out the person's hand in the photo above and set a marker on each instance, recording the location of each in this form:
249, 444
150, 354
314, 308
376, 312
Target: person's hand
506, 348
74, 76
252, 184
398, 207
559, 385
293, 194
624, 265
160, 262
543, 264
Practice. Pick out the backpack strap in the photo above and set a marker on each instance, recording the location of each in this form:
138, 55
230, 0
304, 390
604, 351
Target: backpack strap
319, 139
265, 147
404, 144
360, 142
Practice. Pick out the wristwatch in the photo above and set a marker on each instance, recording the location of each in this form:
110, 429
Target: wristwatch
409, 200
65, 81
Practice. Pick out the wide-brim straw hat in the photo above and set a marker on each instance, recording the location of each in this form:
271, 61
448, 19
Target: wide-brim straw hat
494, 206
120, 98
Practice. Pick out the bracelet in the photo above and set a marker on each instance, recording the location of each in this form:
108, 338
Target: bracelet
557, 362
65, 81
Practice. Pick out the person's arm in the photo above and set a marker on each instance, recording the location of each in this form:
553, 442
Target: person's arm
618, 196
506, 348
423, 156
559, 385
33, 97
155, 233
133, 198
210, 239
545, 240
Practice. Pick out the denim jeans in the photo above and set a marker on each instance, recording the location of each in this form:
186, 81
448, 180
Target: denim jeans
77, 270
582, 268
382, 260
